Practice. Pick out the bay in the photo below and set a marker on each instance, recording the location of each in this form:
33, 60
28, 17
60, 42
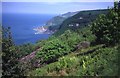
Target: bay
22, 26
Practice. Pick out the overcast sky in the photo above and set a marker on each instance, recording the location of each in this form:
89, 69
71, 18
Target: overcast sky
52, 6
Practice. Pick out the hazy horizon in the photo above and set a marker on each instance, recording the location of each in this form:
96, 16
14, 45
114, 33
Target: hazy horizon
52, 8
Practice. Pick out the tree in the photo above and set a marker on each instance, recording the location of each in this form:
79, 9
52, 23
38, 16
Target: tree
107, 27
9, 59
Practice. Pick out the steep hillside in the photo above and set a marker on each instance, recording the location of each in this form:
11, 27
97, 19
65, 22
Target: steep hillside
66, 42
76, 53
101, 62
81, 19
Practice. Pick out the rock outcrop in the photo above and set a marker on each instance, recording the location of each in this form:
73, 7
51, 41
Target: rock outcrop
81, 45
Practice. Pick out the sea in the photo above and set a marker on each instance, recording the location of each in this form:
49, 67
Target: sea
22, 26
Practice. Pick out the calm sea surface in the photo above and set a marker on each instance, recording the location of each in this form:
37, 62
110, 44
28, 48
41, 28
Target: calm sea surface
22, 26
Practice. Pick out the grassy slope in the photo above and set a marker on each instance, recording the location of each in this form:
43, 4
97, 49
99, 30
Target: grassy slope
101, 62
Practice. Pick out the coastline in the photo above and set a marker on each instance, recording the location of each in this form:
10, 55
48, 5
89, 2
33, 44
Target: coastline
42, 30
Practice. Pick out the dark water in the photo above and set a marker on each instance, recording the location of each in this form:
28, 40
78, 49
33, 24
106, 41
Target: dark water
22, 26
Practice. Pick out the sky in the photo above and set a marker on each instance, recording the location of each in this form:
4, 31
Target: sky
57, 0
51, 6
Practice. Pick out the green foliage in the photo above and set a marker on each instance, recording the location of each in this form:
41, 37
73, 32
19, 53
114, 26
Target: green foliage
9, 59
53, 49
56, 47
25, 49
63, 63
102, 62
42, 71
107, 27
67, 62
